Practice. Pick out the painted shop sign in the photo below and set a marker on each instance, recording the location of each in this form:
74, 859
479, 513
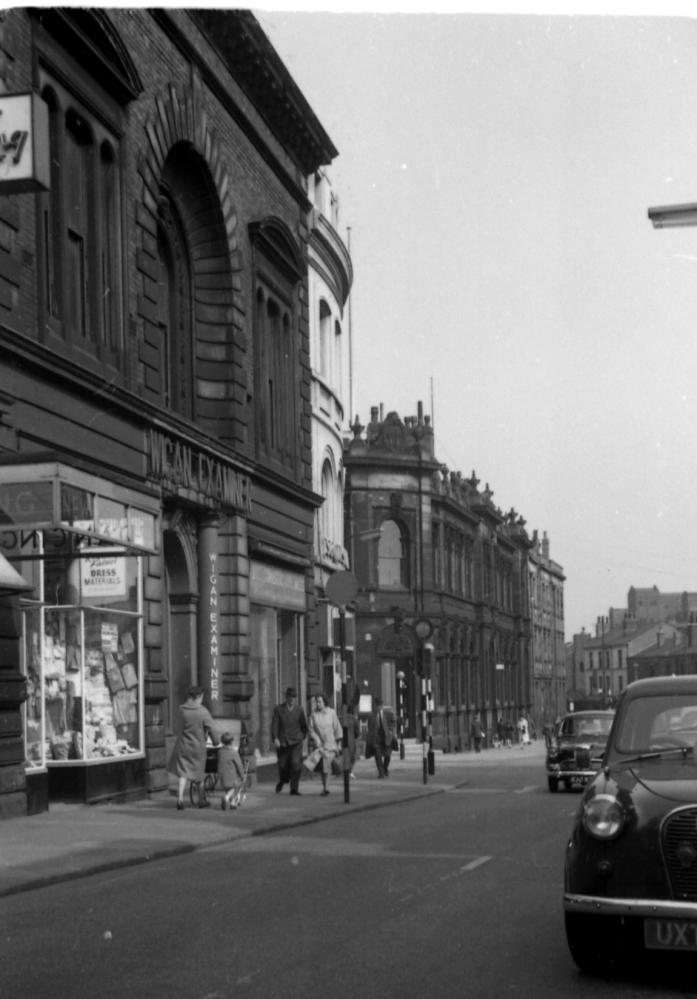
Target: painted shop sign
213, 629
174, 463
103, 576
24, 145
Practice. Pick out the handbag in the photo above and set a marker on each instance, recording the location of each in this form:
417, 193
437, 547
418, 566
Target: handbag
394, 744
336, 767
311, 761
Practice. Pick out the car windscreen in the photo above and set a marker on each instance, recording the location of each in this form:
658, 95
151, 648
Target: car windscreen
655, 722
589, 726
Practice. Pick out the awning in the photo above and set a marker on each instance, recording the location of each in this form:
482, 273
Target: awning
55, 496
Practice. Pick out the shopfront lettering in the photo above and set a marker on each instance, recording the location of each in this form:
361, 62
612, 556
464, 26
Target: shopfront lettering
13, 146
213, 627
173, 463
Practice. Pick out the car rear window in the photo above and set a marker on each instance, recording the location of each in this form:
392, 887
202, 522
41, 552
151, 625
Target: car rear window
657, 722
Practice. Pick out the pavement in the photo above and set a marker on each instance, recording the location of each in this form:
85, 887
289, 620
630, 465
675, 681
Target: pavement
76, 840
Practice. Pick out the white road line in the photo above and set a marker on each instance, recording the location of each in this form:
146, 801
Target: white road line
477, 862
527, 790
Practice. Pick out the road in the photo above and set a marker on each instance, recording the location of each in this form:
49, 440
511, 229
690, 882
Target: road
457, 895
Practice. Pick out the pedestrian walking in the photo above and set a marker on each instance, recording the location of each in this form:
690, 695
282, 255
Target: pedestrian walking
230, 771
325, 730
188, 758
523, 733
288, 730
380, 736
477, 733
500, 733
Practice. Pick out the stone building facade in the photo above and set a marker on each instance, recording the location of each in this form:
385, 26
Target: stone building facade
442, 584
156, 480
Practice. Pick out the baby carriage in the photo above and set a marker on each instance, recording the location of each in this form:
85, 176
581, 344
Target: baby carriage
206, 786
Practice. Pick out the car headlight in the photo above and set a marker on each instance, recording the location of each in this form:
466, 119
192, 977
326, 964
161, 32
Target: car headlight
603, 816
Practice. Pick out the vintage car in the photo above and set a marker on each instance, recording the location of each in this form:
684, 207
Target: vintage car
576, 746
630, 883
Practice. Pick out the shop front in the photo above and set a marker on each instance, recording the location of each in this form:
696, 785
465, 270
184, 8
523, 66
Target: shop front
79, 542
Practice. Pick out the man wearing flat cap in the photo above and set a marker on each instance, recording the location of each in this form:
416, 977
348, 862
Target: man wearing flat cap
288, 729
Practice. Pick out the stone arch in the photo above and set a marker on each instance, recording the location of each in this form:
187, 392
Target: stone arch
182, 161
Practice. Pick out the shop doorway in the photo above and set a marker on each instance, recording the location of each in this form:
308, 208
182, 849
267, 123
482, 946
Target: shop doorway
180, 621
276, 662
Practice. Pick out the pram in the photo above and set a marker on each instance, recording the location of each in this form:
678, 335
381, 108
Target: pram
208, 784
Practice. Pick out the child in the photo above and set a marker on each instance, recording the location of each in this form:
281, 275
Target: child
230, 770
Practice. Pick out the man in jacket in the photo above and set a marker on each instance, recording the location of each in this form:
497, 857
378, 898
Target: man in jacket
380, 736
288, 729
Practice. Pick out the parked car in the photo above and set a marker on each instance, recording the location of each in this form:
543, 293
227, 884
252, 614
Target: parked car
576, 746
630, 883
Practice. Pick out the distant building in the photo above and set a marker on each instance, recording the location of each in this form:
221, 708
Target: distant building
603, 670
649, 604
444, 580
546, 589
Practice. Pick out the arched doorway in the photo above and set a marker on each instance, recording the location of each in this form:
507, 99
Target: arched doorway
179, 613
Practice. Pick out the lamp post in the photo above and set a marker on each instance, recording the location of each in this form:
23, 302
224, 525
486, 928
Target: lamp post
400, 679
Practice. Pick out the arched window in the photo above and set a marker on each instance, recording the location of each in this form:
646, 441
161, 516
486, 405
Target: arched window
326, 519
392, 568
177, 368
338, 360
325, 326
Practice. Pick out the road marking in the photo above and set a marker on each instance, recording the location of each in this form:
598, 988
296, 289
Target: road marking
528, 789
477, 862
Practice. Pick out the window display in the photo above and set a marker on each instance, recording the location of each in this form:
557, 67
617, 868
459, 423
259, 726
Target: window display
82, 658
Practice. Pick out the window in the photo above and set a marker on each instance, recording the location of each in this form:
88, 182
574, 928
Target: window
81, 280
391, 556
174, 310
274, 337
325, 324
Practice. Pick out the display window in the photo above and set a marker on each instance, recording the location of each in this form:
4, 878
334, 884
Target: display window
82, 650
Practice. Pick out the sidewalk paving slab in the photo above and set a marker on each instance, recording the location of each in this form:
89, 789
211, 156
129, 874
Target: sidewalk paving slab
77, 840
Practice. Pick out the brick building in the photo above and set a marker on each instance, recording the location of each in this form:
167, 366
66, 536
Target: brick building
156, 487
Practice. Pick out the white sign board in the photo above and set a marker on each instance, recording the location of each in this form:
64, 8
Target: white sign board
103, 576
24, 145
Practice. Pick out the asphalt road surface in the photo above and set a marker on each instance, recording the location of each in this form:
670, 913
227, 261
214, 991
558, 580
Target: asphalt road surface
457, 895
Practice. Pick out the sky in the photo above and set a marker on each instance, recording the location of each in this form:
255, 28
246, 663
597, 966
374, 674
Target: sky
494, 173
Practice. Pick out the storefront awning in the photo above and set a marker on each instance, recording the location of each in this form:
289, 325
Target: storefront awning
55, 496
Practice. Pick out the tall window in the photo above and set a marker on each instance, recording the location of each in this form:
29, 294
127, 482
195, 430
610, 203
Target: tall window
325, 326
274, 335
82, 280
391, 556
174, 310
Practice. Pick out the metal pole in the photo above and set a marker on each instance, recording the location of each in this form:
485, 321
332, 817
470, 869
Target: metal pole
424, 729
429, 704
344, 707
401, 715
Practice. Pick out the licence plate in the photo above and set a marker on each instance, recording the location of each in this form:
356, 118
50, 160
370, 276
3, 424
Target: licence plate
670, 934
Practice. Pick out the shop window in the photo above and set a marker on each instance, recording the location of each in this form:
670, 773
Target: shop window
81, 287
82, 651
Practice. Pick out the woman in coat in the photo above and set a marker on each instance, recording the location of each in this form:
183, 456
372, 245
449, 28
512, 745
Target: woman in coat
325, 730
188, 759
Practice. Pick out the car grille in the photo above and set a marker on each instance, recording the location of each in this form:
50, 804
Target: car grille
583, 759
680, 853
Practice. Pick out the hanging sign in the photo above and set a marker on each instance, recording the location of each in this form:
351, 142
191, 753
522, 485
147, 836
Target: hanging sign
24, 147
102, 576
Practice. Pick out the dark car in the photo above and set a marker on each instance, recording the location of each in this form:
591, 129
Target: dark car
575, 747
630, 883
